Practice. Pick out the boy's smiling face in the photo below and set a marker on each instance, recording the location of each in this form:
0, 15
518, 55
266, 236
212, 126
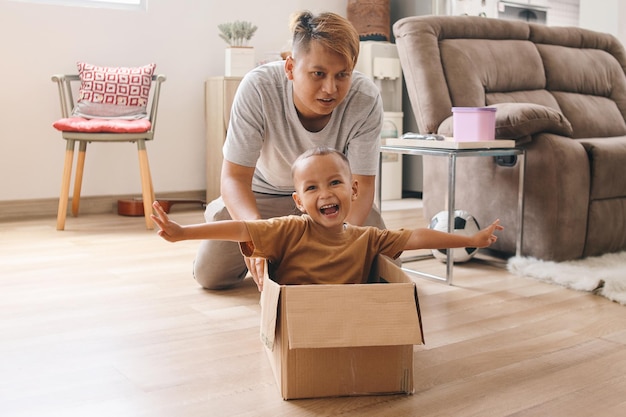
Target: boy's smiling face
324, 189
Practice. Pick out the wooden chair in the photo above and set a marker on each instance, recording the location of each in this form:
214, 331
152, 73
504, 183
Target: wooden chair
85, 131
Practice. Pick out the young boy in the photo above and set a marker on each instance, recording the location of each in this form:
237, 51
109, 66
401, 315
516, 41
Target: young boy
318, 247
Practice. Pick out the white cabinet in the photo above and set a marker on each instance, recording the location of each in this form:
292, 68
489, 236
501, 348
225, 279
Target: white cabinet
379, 61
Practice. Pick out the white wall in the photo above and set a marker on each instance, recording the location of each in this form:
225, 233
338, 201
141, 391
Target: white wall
180, 36
564, 12
607, 17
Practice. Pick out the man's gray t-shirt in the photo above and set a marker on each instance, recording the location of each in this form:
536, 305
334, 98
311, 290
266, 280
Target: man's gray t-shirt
265, 132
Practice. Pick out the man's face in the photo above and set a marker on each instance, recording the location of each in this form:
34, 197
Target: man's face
321, 80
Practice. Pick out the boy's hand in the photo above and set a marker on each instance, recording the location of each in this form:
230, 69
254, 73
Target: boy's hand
486, 237
170, 230
256, 266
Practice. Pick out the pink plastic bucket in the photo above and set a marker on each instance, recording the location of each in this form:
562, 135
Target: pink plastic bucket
472, 124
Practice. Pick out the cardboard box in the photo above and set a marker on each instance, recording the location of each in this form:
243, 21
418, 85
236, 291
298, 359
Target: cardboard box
343, 340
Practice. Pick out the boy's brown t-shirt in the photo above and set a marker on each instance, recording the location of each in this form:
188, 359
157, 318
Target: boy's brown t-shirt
302, 252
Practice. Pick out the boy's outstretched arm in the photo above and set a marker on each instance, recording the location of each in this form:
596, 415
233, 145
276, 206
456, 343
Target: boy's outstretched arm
424, 238
223, 230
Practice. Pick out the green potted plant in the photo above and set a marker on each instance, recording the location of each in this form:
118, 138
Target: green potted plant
239, 55
237, 33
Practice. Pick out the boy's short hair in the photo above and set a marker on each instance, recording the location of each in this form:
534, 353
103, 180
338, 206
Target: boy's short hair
329, 29
320, 151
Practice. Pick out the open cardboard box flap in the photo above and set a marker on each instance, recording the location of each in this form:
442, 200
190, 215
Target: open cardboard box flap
269, 310
323, 316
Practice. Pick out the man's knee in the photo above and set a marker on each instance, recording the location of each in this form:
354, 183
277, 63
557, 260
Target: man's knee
215, 280
218, 265
375, 219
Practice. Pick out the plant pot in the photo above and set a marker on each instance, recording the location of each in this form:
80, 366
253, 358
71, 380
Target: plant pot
239, 60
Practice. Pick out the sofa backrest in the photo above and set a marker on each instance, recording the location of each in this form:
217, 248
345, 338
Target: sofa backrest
462, 61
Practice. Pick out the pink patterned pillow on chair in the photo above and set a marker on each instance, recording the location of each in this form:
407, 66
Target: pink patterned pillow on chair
113, 92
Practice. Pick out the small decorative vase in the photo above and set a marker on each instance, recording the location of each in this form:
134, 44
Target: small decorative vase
239, 60
371, 18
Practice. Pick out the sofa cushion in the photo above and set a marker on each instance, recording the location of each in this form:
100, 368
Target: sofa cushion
474, 67
80, 124
591, 116
540, 96
517, 120
589, 86
605, 227
606, 159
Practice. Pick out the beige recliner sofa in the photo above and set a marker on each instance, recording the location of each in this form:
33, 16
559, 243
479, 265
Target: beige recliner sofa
560, 93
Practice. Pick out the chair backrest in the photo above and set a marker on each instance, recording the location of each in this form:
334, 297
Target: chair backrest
68, 84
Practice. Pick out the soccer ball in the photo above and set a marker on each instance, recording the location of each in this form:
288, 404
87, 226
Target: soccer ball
464, 223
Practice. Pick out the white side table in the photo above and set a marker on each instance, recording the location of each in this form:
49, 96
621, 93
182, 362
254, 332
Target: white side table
452, 154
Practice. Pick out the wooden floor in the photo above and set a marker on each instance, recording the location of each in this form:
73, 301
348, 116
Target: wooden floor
105, 319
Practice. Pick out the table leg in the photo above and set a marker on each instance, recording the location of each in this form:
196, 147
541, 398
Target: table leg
378, 192
520, 203
451, 203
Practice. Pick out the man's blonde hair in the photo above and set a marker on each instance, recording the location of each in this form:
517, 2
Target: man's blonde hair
332, 31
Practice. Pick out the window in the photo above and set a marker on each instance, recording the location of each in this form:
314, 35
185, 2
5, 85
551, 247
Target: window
135, 3
110, 4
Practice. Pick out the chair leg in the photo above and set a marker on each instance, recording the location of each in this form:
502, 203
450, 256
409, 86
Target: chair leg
78, 177
147, 189
65, 185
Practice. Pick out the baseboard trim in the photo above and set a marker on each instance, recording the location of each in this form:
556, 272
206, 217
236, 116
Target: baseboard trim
47, 207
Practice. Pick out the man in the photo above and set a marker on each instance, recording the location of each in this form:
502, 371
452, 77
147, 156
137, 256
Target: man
280, 110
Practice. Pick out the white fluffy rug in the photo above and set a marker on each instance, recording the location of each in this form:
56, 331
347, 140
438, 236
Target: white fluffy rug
604, 275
